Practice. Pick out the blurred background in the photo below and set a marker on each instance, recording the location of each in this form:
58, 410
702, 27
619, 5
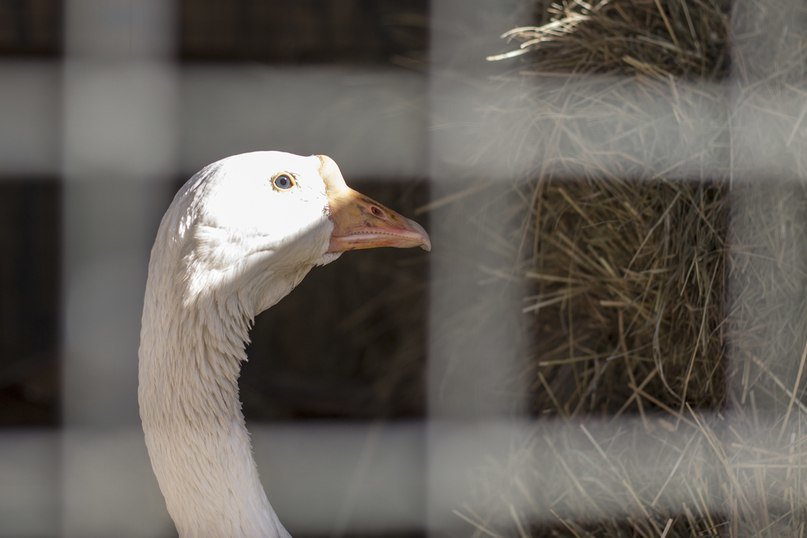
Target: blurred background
608, 338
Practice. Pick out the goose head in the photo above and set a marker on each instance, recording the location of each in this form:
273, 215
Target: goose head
254, 224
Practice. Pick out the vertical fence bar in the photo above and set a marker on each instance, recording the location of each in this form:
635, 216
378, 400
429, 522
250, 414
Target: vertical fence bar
475, 350
119, 105
766, 289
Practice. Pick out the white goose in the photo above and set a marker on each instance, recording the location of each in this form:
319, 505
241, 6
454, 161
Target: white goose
238, 237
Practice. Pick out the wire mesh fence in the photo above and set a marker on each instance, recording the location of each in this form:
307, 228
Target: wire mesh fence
120, 115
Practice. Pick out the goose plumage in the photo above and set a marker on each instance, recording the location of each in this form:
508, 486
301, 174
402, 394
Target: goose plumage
237, 238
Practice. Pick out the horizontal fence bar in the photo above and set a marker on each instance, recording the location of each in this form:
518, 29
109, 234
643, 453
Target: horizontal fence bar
370, 120
371, 477
373, 122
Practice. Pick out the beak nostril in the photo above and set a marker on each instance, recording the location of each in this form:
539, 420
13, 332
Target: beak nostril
376, 211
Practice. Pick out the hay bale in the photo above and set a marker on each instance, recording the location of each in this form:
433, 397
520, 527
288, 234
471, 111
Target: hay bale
627, 37
671, 290
635, 271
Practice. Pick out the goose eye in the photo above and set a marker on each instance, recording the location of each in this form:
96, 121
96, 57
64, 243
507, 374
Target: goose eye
283, 182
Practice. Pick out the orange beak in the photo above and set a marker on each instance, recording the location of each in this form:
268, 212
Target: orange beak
360, 222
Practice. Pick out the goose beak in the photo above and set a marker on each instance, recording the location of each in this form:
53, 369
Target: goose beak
360, 222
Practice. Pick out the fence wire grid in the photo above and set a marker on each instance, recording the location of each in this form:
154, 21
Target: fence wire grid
117, 118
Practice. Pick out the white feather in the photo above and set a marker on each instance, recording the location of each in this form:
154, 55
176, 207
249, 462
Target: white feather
230, 246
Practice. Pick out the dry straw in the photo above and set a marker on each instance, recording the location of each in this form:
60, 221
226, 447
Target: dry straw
667, 289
